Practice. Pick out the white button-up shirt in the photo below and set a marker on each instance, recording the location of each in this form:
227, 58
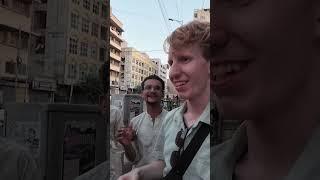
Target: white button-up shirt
199, 169
147, 132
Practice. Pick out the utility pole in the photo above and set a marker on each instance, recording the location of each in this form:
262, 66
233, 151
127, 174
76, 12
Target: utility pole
71, 92
26, 95
17, 62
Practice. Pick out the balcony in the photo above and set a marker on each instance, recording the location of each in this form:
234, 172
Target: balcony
115, 45
114, 83
114, 56
116, 22
12, 19
114, 68
115, 33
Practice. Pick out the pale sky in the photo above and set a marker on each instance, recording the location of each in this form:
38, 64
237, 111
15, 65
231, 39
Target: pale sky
144, 26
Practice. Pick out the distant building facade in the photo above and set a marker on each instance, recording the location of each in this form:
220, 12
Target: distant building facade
162, 70
116, 29
137, 66
69, 43
202, 15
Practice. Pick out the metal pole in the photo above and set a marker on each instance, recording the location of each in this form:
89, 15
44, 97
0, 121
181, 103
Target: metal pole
17, 60
71, 92
26, 95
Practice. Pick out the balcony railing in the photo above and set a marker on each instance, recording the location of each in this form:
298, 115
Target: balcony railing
112, 43
114, 56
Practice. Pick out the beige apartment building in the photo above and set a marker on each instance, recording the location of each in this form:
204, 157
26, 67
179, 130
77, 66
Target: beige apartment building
87, 40
69, 43
162, 71
138, 65
76, 43
116, 29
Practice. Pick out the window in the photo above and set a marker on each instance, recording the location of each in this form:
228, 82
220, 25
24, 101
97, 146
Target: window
93, 70
72, 71
74, 21
3, 37
95, 29
85, 25
86, 4
103, 33
10, 67
21, 6
13, 40
102, 54
73, 46
104, 10
94, 51
84, 49
4, 2
83, 71
95, 8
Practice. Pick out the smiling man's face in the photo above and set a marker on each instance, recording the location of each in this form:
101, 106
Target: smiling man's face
189, 72
152, 91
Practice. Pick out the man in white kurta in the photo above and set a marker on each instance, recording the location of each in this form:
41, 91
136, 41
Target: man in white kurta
139, 147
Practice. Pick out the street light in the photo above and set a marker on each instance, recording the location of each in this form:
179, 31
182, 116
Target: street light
178, 21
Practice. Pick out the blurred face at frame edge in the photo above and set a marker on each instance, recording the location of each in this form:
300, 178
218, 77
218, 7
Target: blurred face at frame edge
265, 54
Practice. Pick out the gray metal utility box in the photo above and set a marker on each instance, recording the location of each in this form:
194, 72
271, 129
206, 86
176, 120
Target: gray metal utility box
66, 140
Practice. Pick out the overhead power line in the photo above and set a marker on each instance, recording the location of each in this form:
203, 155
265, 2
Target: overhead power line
203, 2
177, 6
159, 50
134, 13
163, 15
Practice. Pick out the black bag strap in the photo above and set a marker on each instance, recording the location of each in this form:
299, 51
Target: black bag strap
189, 153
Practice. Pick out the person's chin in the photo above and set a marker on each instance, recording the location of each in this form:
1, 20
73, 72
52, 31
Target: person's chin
234, 110
184, 95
